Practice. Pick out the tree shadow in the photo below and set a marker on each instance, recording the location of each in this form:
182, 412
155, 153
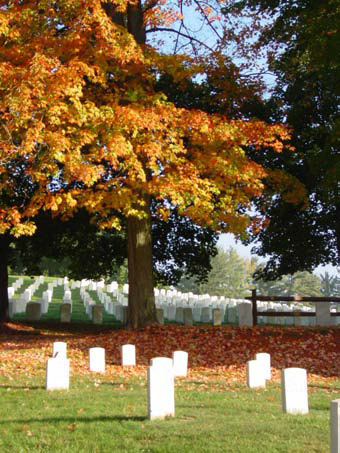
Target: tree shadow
22, 387
101, 418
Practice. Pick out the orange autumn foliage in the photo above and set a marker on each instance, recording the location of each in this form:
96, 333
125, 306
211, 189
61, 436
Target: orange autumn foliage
78, 108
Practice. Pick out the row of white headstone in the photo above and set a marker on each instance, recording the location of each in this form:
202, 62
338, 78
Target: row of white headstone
173, 305
161, 381
294, 392
293, 383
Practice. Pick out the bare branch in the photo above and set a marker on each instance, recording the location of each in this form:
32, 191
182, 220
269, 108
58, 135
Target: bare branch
190, 38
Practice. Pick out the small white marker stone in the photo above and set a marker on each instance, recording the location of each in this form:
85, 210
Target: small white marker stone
255, 374
97, 360
180, 363
294, 391
58, 374
264, 359
128, 355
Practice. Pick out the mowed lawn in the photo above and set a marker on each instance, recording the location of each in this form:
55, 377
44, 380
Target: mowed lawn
215, 411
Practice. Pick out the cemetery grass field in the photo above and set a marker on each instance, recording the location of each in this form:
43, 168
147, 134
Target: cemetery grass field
215, 411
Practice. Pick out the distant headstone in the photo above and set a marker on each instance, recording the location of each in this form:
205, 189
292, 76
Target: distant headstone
65, 312
255, 374
323, 314
335, 426
161, 392
217, 316
187, 316
58, 374
196, 314
33, 311
97, 314
264, 359
97, 360
205, 314
128, 355
180, 363
160, 316
59, 349
294, 391
245, 314
179, 315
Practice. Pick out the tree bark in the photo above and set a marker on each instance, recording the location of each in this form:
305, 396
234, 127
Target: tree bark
4, 305
141, 308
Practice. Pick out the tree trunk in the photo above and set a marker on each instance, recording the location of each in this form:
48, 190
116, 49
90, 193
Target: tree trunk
4, 306
337, 232
141, 309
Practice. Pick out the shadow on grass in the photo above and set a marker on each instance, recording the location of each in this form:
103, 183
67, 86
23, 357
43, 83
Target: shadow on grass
101, 418
22, 387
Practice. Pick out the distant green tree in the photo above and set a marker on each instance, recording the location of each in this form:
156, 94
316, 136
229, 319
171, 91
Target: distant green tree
230, 275
330, 285
298, 284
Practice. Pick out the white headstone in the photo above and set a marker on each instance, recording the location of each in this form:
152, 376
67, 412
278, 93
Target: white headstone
217, 316
57, 374
245, 314
160, 316
161, 392
255, 374
33, 311
65, 312
205, 314
97, 360
179, 315
180, 363
128, 355
323, 313
264, 359
294, 391
164, 362
59, 349
335, 426
187, 316
97, 314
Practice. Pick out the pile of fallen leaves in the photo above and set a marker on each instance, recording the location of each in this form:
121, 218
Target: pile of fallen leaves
215, 353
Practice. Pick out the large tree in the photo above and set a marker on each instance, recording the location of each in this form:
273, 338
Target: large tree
303, 42
79, 106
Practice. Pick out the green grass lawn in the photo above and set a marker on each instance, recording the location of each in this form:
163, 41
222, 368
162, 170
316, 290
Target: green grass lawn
99, 415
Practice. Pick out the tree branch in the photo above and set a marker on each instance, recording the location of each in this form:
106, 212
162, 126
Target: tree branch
171, 30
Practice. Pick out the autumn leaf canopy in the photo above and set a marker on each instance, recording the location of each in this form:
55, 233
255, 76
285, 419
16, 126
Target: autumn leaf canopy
81, 119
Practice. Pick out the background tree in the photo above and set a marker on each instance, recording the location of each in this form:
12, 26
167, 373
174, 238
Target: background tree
302, 39
80, 107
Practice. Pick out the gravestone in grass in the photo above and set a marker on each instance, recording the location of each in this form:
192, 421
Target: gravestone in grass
160, 316
97, 360
294, 391
97, 314
179, 315
59, 349
33, 311
58, 374
180, 363
255, 374
335, 426
187, 316
161, 389
323, 314
264, 359
65, 312
128, 355
245, 314
217, 316
205, 314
